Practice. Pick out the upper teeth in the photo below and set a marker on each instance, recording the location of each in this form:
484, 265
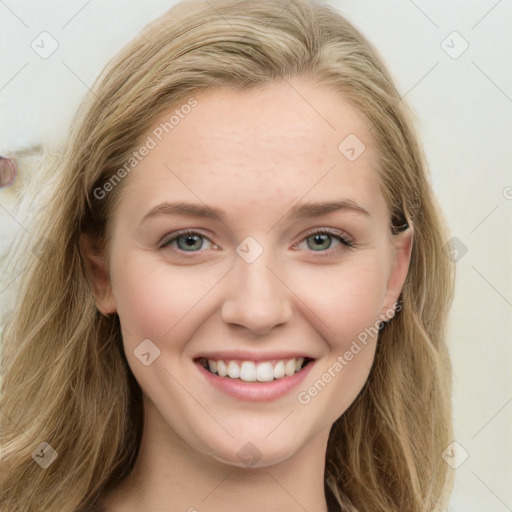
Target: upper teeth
249, 371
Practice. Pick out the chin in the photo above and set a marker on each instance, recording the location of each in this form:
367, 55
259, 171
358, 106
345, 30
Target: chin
251, 456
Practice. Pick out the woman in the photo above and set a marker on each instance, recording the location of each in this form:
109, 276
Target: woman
240, 286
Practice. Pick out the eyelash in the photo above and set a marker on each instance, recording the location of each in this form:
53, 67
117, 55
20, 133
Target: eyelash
343, 238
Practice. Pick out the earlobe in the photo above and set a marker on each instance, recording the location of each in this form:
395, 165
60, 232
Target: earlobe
402, 243
97, 273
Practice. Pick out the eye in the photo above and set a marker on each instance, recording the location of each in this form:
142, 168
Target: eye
322, 241
318, 241
186, 241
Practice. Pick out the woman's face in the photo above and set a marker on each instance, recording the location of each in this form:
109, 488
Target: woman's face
290, 257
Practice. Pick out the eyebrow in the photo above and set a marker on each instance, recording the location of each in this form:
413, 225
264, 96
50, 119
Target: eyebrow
303, 210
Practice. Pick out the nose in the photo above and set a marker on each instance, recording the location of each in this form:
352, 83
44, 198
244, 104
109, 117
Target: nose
257, 297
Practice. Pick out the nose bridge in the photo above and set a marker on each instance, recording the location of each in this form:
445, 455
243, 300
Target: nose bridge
256, 298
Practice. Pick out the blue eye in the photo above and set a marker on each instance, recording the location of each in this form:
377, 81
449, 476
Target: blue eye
321, 241
186, 241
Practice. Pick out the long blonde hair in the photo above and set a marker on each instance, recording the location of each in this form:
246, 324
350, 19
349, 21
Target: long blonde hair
65, 379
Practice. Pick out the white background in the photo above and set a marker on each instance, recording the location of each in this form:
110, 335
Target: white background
464, 111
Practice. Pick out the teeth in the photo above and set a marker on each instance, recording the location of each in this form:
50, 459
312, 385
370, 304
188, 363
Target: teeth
233, 370
289, 367
279, 370
249, 371
221, 368
264, 372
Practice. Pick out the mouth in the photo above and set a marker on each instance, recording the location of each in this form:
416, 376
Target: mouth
254, 371
254, 377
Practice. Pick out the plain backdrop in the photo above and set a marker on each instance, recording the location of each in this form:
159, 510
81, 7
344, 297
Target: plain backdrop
452, 62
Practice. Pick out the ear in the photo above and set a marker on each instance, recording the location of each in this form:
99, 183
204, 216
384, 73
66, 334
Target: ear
97, 273
400, 260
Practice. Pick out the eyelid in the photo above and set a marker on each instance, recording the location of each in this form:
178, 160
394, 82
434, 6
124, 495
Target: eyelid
343, 235
344, 238
166, 241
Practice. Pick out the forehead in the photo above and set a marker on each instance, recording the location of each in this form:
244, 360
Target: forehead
240, 148
287, 120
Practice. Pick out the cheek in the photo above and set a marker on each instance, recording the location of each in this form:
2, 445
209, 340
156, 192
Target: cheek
347, 314
345, 298
153, 299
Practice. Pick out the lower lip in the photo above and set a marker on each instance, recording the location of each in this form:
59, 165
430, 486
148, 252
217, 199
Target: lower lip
256, 391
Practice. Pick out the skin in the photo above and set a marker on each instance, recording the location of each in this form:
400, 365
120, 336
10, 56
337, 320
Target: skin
239, 152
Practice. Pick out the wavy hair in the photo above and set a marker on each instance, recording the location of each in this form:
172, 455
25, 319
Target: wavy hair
65, 378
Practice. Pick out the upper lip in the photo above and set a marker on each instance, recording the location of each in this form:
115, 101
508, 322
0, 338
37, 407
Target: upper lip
244, 355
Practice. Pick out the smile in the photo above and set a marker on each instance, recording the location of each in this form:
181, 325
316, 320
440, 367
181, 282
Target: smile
251, 371
251, 377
